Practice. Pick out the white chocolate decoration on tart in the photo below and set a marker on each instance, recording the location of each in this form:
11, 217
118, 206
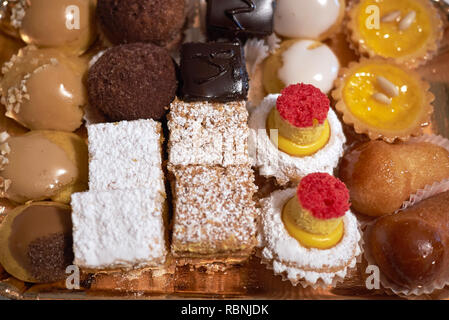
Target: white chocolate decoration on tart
307, 63
312, 19
299, 264
301, 61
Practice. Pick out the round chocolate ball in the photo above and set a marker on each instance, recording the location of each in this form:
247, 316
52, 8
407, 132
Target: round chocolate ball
132, 81
156, 21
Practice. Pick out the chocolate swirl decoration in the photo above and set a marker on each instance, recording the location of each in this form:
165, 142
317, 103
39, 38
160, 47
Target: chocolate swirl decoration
231, 13
213, 72
209, 59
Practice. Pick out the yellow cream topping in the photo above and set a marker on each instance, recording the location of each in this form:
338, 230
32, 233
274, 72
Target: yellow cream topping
404, 110
310, 144
388, 40
309, 231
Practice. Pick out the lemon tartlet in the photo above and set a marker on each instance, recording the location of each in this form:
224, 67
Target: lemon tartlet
383, 100
408, 31
310, 236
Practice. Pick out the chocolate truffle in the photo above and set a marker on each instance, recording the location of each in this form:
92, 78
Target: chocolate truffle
239, 18
132, 81
213, 72
36, 242
156, 21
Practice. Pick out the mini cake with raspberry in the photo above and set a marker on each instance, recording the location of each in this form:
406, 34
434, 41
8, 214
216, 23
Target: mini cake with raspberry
296, 133
309, 234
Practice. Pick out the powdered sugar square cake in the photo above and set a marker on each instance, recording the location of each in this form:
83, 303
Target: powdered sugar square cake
207, 133
118, 229
125, 155
214, 214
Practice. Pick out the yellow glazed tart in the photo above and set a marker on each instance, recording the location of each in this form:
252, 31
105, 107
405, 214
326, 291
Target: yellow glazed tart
407, 31
383, 100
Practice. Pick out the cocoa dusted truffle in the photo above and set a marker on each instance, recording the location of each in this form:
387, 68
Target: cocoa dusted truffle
132, 81
156, 21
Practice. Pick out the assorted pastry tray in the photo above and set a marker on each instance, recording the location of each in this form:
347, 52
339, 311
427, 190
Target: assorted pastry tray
275, 149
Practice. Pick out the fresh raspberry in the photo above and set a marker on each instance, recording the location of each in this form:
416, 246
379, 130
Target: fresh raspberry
325, 196
300, 104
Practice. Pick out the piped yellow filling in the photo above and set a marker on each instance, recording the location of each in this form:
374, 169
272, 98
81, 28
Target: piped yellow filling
312, 240
298, 149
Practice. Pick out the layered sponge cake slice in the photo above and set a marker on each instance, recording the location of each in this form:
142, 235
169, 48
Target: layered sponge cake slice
118, 229
120, 223
214, 214
208, 133
125, 155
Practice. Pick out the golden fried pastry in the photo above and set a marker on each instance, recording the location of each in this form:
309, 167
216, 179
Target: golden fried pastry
43, 89
42, 165
381, 176
36, 242
410, 247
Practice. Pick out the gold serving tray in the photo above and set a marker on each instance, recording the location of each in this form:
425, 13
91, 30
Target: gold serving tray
248, 281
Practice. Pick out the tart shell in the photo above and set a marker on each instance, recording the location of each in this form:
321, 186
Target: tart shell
411, 61
360, 127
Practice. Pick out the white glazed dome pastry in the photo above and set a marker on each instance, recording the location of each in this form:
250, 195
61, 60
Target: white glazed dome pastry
296, 133
311, 19
310, 235
306, 61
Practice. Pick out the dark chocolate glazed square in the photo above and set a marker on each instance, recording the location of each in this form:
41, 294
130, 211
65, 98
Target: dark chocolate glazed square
239, 18
213, 72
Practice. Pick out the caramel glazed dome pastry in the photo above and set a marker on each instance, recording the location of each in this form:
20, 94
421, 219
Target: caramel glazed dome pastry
407, 31
42, 89
41, 165
296, 133
383, 100
65, 24
309, 234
